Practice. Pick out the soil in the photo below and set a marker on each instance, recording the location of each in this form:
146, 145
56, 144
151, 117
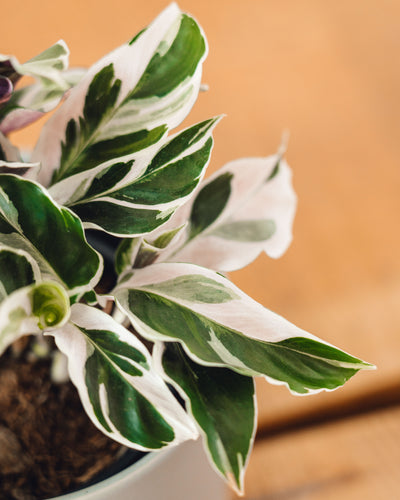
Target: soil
48, 446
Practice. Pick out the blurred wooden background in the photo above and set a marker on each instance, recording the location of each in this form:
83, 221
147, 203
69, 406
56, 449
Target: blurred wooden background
329, 72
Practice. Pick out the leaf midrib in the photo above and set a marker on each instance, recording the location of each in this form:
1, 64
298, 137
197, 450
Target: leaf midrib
269, 343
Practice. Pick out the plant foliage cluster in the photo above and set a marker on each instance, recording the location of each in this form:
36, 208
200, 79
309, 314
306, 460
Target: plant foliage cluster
107, 160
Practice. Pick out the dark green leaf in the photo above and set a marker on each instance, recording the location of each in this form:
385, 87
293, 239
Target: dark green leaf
55, 234
209, 203
222, 403
167, 70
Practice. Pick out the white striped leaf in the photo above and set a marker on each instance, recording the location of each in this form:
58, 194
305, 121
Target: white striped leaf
140, 252
131, 196
46, 66
16, 167
120, 391
219, 325
127, 100
245, 208
223, 405
31, 102
27, 104
152, 249
8, 152
30, 220
31, 309
10, 158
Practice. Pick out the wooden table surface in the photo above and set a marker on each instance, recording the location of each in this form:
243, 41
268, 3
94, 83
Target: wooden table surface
330, 73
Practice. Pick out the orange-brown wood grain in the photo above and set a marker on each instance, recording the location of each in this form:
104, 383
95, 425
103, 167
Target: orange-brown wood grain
350, 459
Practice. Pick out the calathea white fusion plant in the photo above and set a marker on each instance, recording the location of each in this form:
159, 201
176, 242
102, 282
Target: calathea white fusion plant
106, 160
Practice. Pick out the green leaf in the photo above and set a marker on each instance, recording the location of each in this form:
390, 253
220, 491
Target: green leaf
238, 333
8, 152
46, 66
140, 252
166, 238
32, 309
18, 270
135, 196
245, 208
222, 403
119, 389
246, 230
79, 152
31, 102
28, 103
50, 304
209, 203
127, 100
150, 252
30, 220
194, 288
174, 64
125, 254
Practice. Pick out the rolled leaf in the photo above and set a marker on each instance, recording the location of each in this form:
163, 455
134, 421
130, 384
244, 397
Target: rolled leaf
219, 325
146, 85
30, 220
134, 197
245, 208
152, 249
32, 309
223, 405
140, 252
119, 389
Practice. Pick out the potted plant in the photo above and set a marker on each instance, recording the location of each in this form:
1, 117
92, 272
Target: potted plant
168, 350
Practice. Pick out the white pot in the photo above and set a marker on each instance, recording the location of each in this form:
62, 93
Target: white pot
179, 473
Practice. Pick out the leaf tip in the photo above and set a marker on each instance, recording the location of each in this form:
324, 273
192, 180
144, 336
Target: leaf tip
234, 485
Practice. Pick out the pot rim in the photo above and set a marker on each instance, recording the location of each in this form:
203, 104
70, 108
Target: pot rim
151, 459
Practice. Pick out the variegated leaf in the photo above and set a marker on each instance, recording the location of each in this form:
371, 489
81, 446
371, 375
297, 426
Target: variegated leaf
120, 391
18, 270
10, 158
133, 196
31, 309
152, 249
126, 253
27, 104
46, 66
30, 220
141, 252
219, 325
16, 167
127, 100
31, 102
8, 152
245, 208
222, 403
